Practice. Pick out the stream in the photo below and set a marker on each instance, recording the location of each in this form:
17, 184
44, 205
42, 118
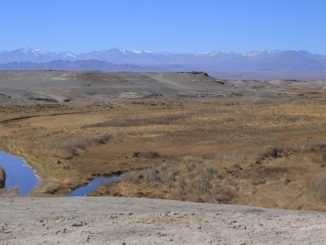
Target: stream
20, 176
93, 185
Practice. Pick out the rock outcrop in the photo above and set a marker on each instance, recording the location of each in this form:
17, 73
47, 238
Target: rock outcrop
2, 178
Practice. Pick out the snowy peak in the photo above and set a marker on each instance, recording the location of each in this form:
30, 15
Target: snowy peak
30, 54
213, 61
29, 51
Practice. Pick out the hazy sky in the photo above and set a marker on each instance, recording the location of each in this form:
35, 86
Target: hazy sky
164, 25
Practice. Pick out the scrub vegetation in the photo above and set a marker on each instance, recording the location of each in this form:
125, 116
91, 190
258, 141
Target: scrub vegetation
256, 146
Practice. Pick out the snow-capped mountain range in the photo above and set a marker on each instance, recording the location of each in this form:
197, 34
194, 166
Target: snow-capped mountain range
216, 62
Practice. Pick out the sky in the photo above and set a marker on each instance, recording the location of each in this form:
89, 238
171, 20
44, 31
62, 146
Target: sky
164, 25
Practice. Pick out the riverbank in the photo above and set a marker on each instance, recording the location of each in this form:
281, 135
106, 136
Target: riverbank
145, 221
2, 178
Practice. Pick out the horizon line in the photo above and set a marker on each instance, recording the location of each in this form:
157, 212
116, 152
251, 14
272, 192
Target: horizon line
161, 52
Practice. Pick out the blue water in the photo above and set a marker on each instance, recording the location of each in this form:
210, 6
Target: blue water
18, 174
93, 185
21, 176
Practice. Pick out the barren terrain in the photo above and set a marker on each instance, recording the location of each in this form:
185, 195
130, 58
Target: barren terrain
143, 221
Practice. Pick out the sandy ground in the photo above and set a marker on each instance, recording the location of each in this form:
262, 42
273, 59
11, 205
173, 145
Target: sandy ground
109, 220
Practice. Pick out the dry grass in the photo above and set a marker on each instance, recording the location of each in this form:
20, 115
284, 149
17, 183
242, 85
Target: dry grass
249, 177
73, 144
239, 150
192, 179
163, 120
318, 188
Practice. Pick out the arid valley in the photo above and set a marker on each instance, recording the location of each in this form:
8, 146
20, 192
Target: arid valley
184, 136
178, 136
140, 122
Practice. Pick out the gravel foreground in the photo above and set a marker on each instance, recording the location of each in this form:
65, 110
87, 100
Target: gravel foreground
111, 220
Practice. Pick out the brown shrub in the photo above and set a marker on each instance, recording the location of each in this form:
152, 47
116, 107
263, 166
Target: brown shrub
103, 139
162, 120
149, 154
75, 143
192, 179
318, 188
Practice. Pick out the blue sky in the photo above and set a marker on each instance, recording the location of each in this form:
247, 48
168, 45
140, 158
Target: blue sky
164, 25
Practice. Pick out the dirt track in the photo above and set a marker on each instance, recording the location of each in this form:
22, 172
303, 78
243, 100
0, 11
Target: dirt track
111, 220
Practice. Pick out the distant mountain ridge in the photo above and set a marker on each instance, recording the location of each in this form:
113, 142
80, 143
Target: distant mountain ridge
84, 65
275, 62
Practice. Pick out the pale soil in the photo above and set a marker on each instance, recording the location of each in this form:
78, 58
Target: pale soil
110, 220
